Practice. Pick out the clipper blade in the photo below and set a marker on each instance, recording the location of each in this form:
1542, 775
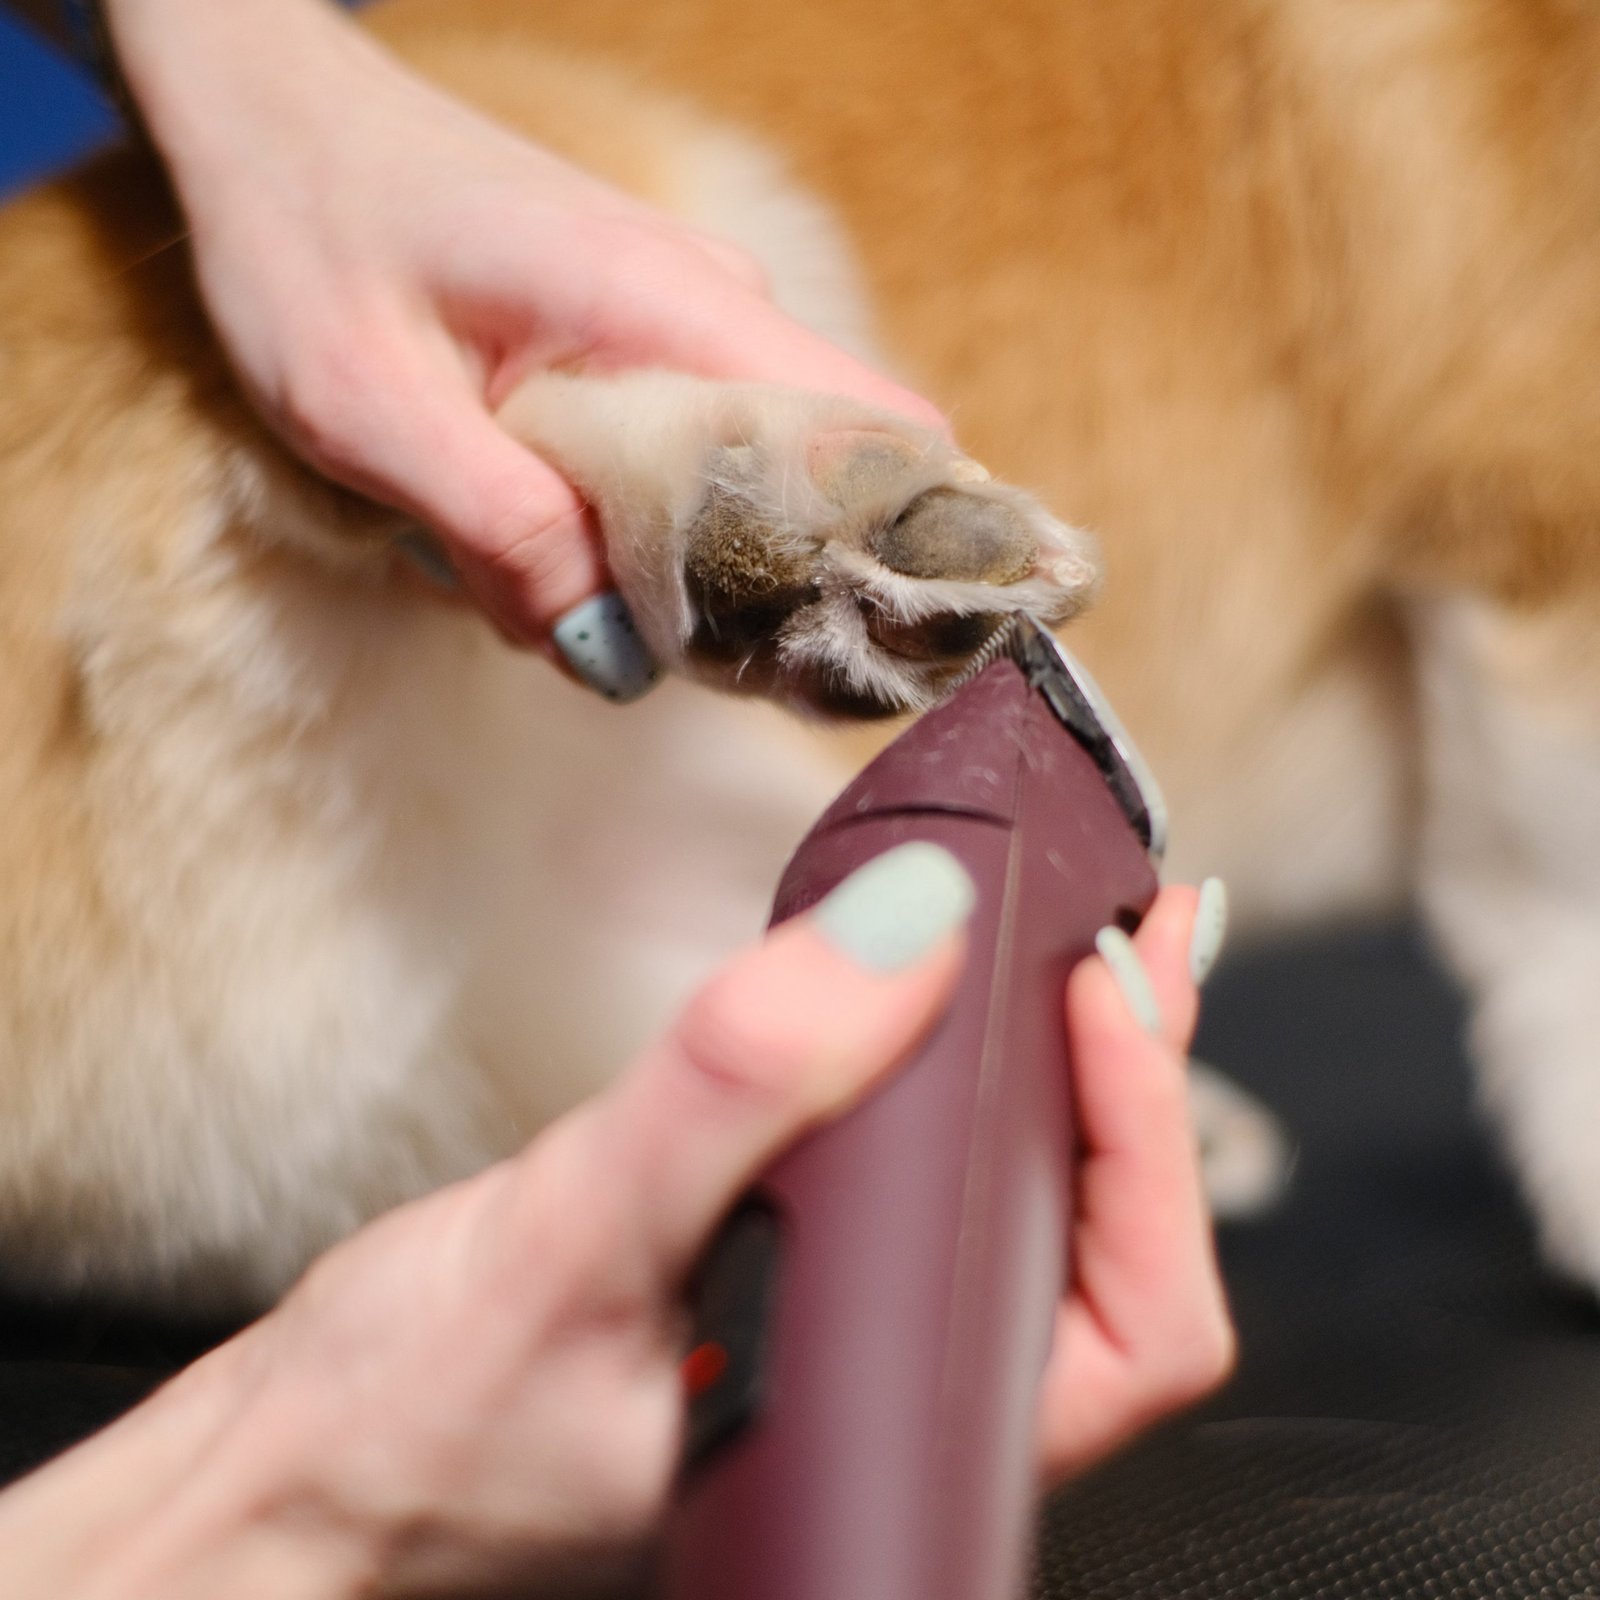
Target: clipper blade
1082, 708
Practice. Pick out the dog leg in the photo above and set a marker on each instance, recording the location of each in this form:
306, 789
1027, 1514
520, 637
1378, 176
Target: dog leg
1511, 882
801, 546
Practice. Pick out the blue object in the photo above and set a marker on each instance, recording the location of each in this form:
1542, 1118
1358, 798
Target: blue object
51, 114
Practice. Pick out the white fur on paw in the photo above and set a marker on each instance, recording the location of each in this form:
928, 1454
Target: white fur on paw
851, 563
797, 545
1246, 1156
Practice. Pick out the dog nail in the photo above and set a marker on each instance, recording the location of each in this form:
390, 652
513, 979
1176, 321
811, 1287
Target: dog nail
1210, 929
891, 912
965, 470
601, 643
1116, 950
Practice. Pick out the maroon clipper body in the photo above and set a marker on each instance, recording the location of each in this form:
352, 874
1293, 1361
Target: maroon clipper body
874, 1320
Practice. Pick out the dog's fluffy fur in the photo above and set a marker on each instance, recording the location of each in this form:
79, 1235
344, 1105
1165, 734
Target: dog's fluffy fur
312, 895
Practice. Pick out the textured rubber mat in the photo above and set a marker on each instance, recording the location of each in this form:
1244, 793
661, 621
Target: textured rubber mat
67, 1369
1331, 1509
1417, 1408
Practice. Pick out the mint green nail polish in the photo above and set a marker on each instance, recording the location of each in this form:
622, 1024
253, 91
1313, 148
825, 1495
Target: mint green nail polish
1210, 929
602, 645
894, 910
1116, 950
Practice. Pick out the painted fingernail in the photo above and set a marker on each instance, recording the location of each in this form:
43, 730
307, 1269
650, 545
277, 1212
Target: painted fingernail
1116, 950
601, 643
426, 554
890, 913
1210, 929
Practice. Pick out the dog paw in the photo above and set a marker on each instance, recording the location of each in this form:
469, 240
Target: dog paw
860, 570
802, 547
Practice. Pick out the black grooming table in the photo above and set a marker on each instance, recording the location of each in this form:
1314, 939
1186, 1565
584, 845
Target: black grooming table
67, 1369
1417, 1409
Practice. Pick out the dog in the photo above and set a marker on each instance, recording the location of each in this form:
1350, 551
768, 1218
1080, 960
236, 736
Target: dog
313, 895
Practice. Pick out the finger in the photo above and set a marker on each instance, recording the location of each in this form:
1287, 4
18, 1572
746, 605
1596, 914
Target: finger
750, 341
521, 536
720, 328
738, 263
788, 1035
1146, 1326
527, 545
648, 299
1138, 1193
1162, 942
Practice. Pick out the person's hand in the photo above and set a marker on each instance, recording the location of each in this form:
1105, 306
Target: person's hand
1145, 1329
383, 265
484, 1385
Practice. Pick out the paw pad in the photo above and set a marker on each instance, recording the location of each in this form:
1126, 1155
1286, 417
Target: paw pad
945, 533
860, 569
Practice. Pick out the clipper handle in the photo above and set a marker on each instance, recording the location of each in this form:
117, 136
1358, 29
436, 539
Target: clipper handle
878, 1318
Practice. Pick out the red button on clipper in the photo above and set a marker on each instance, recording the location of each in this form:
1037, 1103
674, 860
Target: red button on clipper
703, 1366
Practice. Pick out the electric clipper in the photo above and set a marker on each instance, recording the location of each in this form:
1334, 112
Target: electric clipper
873, 1320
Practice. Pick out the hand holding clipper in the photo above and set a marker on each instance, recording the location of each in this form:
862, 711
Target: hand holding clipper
874, 1319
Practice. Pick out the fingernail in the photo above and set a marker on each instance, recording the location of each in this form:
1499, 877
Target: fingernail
1116, 950
426, 554
890, 913
1210, 929
602, 645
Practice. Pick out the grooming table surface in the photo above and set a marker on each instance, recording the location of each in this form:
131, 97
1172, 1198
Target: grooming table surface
1417, 1409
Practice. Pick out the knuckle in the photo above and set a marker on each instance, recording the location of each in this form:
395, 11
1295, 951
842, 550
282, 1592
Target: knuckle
628, 256
326, 395
340, 372
553, 1235
513, 527
665, 261
1203, 1361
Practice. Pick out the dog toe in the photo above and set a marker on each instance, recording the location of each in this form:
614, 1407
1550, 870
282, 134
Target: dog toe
949, 533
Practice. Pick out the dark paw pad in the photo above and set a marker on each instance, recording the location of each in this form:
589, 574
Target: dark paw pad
938, 638
946, 533
858, 572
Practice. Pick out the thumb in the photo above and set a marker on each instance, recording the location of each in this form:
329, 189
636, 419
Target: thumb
788, 1035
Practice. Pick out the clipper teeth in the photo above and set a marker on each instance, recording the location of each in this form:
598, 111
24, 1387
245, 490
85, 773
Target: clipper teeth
1003, 641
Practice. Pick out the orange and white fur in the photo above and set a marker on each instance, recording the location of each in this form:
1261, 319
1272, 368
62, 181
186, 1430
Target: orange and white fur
313, 895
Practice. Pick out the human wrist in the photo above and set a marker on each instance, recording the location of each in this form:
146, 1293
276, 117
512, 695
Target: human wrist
209, 78
193, 1494
251, 1517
